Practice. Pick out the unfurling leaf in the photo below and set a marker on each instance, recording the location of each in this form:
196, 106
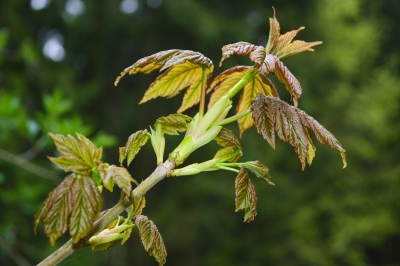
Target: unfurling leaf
256, 53
246, 198
281, 45
227, 79
136, 208
133, 146
232, 151
79, 156
118, 175
117, 230
73, 205
185, 69
173, 123
275, 117
260, 170
151, 239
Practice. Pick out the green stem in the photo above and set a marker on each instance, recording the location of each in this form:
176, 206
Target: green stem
68, 248
243, 81
203, 93
228, 169
232, 118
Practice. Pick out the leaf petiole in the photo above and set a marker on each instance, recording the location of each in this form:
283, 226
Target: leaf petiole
232, 118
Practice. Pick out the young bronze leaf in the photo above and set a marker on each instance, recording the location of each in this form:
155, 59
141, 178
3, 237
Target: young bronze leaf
187, 56
322, 134
86, 204
256, 53
225, 81
177, 78
232, 150
260, 170
56, 209
118, 175
137, 206
148, 64
282, 45
79, 156
260, 84
133, 146
151, 239
245, 198
273, 116
288, 80
173, 123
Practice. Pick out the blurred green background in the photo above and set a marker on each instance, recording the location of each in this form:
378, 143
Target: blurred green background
58, 62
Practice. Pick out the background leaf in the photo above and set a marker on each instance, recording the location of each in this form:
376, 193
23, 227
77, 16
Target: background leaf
245, 195
151, 239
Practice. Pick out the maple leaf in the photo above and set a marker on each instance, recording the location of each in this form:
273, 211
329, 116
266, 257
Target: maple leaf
245, 195
151, 239
227, 79
173, 123
282, 45
133, 146
79, 156
273, 116
232, 151
73, 205
184, 69
118, 175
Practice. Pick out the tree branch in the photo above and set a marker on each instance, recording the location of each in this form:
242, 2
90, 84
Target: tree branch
27, 165
68, 248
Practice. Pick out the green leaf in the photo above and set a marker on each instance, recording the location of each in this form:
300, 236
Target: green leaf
184, 70
260, 84
245, 198
225, 81
281, 45
173, 123
273, 116
78, 156
232, 151
118, 175
179, 77
151, 239
260, 170
133, 146
256, 53
73, 205
87, 203
137, 207
55, 210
